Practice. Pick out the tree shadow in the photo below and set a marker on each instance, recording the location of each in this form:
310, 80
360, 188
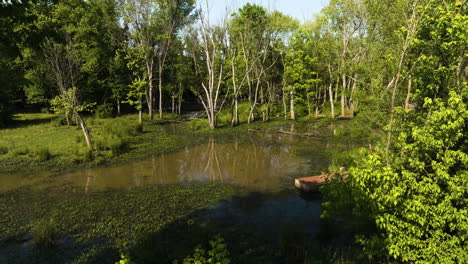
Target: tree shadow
249, 240
18, 123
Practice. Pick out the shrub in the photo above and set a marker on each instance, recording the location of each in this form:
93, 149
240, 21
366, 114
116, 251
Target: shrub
45, 233
3, 150
43, 154
217, 254
119, 147
88, 155
104, 111
20, 151
124, 259
139, 128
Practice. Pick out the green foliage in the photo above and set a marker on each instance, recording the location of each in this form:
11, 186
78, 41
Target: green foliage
119, 147
43, 154
411, 201
3, 150
45, 233
124, 259
218, 254
88, 155
64, 105
103, 111
21, 151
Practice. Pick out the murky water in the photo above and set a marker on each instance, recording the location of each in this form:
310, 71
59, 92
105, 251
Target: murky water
258, 160
265, 162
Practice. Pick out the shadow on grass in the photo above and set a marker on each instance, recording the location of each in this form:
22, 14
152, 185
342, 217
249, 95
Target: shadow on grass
37, 120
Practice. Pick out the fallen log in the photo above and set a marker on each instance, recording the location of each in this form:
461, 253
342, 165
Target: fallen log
310, 184
313, 183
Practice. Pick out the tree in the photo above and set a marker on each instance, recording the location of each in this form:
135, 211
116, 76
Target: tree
64, 71
209, 43
173, 15
413, 191
299, 73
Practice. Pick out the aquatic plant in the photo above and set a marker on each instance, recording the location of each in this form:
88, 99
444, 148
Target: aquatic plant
45, 233
218, 254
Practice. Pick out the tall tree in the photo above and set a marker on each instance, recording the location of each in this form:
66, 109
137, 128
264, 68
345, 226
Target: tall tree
209, 52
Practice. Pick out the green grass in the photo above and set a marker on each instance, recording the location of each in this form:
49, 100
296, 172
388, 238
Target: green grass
35, 142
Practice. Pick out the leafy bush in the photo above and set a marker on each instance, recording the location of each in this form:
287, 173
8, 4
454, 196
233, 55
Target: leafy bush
218, 254
121, 130
139, 128
43, 154
88, 155
3, 150
119, 147
45, 233
20, 151
104, 111
124, 259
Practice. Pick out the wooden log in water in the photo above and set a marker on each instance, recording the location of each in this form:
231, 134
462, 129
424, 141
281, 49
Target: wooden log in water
310, 184
313, 183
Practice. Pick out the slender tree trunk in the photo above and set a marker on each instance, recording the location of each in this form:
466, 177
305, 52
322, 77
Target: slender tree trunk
293, 115
408, 93
85, 130
67, 118
351, 102
150, 94
160, 92
332, 107
343, 76
284, 102
140, 111
179, 104
118, 107
173, 104
235, 111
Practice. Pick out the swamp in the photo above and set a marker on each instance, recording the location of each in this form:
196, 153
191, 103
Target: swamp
232, 132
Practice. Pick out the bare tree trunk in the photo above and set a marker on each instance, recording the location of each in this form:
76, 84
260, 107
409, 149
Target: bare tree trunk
292, 114
173, 104
284, 101
351, 103
235, 111
149, 101
85, 130
332, 107
140, 111
179, 103
118, 107
160, 91
343, 76
67, 118
408, 93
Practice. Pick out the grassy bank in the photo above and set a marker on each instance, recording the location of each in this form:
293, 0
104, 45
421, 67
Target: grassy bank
38, 142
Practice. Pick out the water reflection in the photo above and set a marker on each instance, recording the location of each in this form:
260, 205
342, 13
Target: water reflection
262, 166
263, 160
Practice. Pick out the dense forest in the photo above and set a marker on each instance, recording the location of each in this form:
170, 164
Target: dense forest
398, 67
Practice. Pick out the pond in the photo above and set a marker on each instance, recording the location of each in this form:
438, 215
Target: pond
263, 163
